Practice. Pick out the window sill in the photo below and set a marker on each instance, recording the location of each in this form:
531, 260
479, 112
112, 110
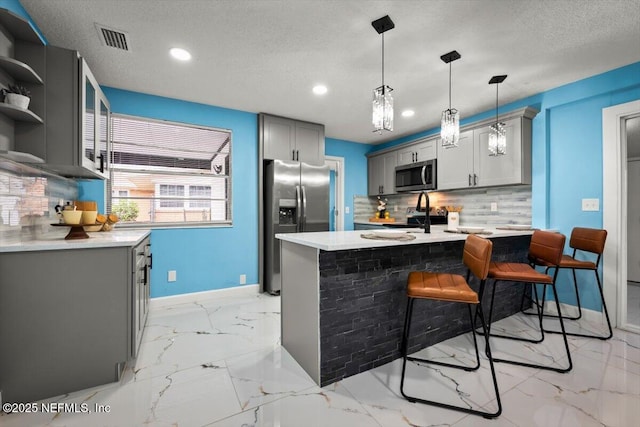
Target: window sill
176, 225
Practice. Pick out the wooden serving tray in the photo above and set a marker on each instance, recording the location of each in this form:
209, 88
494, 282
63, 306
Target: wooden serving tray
382, 219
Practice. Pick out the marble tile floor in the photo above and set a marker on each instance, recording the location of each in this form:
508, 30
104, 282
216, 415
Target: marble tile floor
219, 363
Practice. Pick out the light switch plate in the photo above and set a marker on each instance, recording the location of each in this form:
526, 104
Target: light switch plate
591, 205
171, 276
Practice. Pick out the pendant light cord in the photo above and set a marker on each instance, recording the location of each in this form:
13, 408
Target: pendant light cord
383, 88
450, 85
498, 84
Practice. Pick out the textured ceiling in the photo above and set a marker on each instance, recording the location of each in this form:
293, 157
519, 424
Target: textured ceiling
265, 56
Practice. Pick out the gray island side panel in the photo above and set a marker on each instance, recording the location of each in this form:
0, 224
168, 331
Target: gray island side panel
300, 306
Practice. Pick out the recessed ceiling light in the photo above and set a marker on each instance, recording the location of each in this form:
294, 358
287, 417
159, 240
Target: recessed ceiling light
320, 89
180, 54
408, 113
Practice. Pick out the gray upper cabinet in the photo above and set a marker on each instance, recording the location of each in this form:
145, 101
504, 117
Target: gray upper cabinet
418, 152
455, 167
469, 165
74, 141
288, 139
18, 41
382, 173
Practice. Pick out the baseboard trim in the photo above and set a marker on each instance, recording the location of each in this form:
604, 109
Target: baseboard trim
238, 291
569, 310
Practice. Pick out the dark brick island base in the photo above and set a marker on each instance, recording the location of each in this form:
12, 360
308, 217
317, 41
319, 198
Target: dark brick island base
343, 310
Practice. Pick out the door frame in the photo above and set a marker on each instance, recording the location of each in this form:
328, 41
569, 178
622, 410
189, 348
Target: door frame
614, 211
337, 164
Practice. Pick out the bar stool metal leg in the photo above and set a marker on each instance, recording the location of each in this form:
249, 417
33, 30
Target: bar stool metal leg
588, 240
546, 247
604, 308
406, 358
540, 319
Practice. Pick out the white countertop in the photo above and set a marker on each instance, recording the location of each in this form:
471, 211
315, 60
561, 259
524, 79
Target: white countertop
113, 238
344, 240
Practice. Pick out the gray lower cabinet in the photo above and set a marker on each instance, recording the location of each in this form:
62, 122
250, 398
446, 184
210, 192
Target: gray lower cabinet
69, 319
141, 290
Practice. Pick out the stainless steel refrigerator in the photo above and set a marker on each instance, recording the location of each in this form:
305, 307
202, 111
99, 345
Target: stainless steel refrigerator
296, 199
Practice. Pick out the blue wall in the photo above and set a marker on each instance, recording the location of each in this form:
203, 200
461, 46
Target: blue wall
215, 257
567, 156
355, 171
212, 257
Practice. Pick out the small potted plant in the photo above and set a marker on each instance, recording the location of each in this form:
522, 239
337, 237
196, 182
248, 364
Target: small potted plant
17, 95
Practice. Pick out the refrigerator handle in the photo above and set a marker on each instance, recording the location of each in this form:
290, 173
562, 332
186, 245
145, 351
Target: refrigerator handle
298, 210
304, 208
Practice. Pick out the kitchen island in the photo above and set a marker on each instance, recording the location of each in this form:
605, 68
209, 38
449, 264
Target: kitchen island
343, 296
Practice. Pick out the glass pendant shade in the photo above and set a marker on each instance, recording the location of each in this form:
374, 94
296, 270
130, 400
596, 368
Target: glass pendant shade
497, 140
450, 128
382, 109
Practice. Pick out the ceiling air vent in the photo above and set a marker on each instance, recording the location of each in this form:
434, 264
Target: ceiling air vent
113, 38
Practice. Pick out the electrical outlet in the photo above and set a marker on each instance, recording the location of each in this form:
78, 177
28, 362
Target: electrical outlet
172, 276
494, 207
591, 205
395, 208
243, 279
346, 209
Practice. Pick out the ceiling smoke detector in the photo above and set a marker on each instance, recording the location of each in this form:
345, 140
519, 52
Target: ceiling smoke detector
113, 38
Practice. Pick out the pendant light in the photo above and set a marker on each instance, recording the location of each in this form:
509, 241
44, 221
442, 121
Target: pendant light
450, 123
497, 135
382, 99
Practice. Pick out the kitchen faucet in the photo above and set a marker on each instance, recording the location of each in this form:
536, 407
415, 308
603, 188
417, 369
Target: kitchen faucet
427, 220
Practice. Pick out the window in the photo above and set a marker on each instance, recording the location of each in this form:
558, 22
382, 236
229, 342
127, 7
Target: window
169, 173
165, 191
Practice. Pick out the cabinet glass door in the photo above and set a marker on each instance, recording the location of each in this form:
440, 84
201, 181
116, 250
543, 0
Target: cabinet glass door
89, 124
103, 160
95, 125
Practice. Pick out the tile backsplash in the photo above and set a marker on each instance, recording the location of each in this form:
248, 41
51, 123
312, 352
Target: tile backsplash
28, 197
513, 205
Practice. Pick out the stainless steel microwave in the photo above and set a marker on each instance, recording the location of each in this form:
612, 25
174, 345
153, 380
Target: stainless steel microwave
416, 176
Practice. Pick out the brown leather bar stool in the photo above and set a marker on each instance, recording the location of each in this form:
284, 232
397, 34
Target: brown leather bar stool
453, 288
589, 240
545, 246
